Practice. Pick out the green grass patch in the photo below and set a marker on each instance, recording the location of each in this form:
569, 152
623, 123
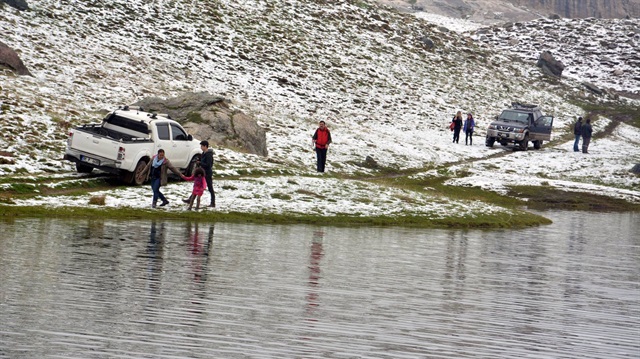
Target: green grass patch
514, 219
542, 198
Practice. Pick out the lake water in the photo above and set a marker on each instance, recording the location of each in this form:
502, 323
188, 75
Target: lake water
162, 289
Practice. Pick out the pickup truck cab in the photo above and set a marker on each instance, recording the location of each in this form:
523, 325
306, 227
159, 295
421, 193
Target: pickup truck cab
126, 140
520, 124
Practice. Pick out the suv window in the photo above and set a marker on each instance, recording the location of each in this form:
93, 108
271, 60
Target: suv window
515, 116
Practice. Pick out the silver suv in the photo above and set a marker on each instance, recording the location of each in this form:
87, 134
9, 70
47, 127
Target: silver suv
518, 125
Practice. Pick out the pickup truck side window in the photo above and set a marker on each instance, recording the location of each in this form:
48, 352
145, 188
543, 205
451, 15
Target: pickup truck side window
163, 131
127, 123
178, 133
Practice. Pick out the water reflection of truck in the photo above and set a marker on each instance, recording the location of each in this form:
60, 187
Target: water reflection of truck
126, 140
519, 125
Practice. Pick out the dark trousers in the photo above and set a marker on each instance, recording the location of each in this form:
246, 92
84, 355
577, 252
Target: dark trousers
209, 180
321, 156
585, 144
155, 187
576, 143
469, 138
456, 135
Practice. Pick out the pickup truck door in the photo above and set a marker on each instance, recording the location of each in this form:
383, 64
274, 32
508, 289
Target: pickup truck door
164, 140
543, 127
180, 146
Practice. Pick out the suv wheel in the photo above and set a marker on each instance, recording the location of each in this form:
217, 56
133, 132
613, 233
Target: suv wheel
490, 141
524, 144
537, 144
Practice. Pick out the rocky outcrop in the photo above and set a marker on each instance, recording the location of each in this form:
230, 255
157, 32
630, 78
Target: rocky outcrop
210, 118
10, 59
549, 64
606, 9
18, 4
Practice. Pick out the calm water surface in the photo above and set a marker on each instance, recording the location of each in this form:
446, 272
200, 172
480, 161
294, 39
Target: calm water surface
161, 289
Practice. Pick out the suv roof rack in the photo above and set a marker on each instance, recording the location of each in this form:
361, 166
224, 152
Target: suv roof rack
524, 106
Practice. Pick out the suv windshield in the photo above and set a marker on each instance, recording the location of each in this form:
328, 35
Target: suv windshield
515, 116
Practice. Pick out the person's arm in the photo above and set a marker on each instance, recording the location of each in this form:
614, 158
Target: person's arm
172, 168
328, 138
314, 138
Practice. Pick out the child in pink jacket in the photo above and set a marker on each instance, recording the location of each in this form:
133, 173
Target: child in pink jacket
199, 185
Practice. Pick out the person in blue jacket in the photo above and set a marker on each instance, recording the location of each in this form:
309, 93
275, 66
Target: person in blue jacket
469, 125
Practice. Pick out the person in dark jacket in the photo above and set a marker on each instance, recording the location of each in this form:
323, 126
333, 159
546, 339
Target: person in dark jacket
206, 163
469, 125
586, 133
156, 169
457, 126
577, 131
321, 140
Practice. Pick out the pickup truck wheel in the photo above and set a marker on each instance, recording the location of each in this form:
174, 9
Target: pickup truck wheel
490, 141
138, 178
537, 144
135, 177
524, 144
83, 168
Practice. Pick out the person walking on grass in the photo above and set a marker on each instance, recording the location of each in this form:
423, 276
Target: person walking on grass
586, 132
321, 140
577, 131
457, 126
469, 125
156, 169
199, 185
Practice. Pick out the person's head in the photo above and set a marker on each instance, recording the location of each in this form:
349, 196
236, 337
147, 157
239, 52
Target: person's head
321, 124
199, 172
469, 115
580, 119
161, 153
204, 145
459, 114
588, 120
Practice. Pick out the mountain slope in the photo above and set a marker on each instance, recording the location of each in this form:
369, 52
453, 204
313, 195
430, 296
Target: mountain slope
387, 83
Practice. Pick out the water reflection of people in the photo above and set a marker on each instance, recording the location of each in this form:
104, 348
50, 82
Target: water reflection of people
155, 254
455, 261
199, 255
315, 257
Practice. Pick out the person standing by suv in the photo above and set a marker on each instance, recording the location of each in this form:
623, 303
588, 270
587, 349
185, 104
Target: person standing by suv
469, 125
577, 131
586, 132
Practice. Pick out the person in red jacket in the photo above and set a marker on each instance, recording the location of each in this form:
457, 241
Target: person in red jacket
321, 140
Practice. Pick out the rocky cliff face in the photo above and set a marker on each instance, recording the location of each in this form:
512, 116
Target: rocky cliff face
608, 9
497, 11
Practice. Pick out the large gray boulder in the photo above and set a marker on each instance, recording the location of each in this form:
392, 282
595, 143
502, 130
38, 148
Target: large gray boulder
549, 64
18, 4
209, 117
10, 59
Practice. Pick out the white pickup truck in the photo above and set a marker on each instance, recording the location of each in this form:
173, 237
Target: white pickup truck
126, 140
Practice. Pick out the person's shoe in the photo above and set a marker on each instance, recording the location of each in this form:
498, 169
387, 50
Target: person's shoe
153, 205
164, 203
185, 200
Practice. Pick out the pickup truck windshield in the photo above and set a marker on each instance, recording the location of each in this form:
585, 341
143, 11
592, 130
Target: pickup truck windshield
515, 116
127, 123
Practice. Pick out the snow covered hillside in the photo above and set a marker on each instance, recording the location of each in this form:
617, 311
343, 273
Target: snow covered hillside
386, 83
